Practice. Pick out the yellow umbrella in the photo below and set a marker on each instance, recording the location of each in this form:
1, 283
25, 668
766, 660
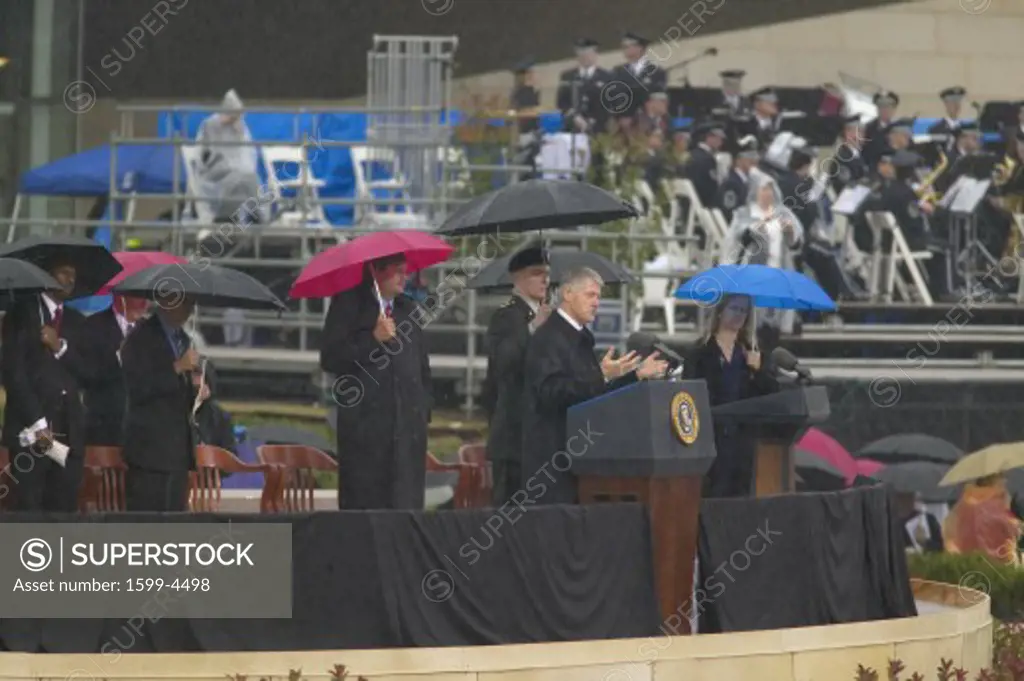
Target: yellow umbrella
991, 460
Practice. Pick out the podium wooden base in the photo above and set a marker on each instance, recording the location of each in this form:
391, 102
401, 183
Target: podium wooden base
673, 505
774, 473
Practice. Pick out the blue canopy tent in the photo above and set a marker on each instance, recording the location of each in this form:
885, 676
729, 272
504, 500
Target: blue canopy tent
144, 169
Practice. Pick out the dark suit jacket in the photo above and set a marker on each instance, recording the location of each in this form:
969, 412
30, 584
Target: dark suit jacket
38, 384
104, 393
652, 78
507, 338
702, 170
158, 431
705, 361
561, 370
582, 96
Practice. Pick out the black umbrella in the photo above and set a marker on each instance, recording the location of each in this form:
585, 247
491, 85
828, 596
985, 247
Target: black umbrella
911, 447
206, 284
537, 204
919, 477
563, 261
94, 264
816, 474
21, 276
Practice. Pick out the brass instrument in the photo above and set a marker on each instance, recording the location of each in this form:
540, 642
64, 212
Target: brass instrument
925, 191
1004, 171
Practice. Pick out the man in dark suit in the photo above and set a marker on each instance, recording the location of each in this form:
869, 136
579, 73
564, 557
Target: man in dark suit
159, 437
507, 337
563, 370
702, 167
848, 165
579, 91
639, 74
374, 345
44, 364
104, 393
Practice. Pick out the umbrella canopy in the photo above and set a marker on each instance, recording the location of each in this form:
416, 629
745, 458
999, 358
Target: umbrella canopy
825, 447
562, 261
206, 284
769, 287
537, 204
918, 477
341, 268
911, 447
22, 277
136, 261
868, 467
991, 460
94, 264
817, 475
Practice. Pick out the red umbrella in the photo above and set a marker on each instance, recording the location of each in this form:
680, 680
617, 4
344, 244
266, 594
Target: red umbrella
134, 262
824, 447
341, 267
868, 467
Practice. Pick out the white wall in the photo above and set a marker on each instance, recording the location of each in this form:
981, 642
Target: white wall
915, 48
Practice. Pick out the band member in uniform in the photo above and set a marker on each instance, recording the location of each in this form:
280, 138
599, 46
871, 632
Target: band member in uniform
952, 99
641, 75
159, 434
104, 393
562, 370
507, 337
44, 363
732, 93
967, 143
579, 91
702, 168
766, 116
874, 132
899, 136
654, 114
734, 191
848, 165
376, 348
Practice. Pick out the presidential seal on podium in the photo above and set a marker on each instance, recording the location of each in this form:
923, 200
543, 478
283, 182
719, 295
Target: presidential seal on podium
685, 420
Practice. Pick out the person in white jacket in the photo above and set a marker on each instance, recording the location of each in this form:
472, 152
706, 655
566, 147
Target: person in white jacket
228, 175
765, 232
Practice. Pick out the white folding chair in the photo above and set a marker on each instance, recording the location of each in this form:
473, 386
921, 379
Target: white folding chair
365, 160
305, 207
899, 253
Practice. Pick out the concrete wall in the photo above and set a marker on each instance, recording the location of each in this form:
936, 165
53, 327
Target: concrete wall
913, 48
962, 632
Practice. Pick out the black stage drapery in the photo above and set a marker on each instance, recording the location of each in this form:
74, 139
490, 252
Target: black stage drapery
801, 560
380, 579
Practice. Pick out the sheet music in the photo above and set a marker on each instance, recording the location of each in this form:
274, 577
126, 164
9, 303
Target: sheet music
951, 193
968, 198
850, 200
58, 452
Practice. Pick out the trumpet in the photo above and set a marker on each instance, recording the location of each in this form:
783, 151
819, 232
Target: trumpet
925, 191
1004, 171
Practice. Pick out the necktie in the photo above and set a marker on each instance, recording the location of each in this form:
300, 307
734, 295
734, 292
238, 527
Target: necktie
58, 315
387, 309
181, 341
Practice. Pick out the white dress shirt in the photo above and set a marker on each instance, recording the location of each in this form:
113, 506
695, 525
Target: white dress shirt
575, 324
534, 306
28, 436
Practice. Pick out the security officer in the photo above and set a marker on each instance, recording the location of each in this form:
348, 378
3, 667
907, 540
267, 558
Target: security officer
580, 90
507, 337
875, 131
952, 99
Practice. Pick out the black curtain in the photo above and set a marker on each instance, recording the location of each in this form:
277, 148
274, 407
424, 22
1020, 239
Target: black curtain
801, 560
379, 579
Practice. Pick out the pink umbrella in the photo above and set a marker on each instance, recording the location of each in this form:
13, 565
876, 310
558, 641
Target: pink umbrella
824, 447
134, 262
341, 267
868, 467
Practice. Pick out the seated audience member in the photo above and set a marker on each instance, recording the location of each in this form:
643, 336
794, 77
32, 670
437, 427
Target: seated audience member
727, 358
982, 522
654, 114
228, 174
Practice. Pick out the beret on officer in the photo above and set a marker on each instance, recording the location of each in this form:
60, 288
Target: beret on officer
528, 257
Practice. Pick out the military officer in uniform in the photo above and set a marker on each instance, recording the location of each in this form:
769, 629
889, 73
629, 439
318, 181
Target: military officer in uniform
702, 168
732, 98
507, 337
734, 191
579, 91
766, 116
952, 99
639, 74
848, 165
874, 132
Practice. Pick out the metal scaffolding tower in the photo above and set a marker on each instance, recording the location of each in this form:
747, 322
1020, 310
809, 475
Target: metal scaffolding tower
409, 81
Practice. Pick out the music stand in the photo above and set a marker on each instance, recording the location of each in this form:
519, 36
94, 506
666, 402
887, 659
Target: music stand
851, 199
968, 247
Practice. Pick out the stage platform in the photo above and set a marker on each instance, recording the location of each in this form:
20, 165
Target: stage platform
956, 625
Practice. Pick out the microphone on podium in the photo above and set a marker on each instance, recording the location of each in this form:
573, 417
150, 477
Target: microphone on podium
646, 344
786, 360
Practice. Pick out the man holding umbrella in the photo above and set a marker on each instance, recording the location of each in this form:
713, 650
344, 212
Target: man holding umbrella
507, 337
44, 365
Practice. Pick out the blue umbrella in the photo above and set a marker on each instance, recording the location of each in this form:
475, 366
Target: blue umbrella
769, 287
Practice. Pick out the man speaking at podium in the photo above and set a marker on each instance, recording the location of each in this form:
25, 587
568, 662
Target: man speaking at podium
562, 370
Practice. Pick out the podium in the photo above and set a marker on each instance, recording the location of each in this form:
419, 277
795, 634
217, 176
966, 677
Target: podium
779, 419
656, 443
